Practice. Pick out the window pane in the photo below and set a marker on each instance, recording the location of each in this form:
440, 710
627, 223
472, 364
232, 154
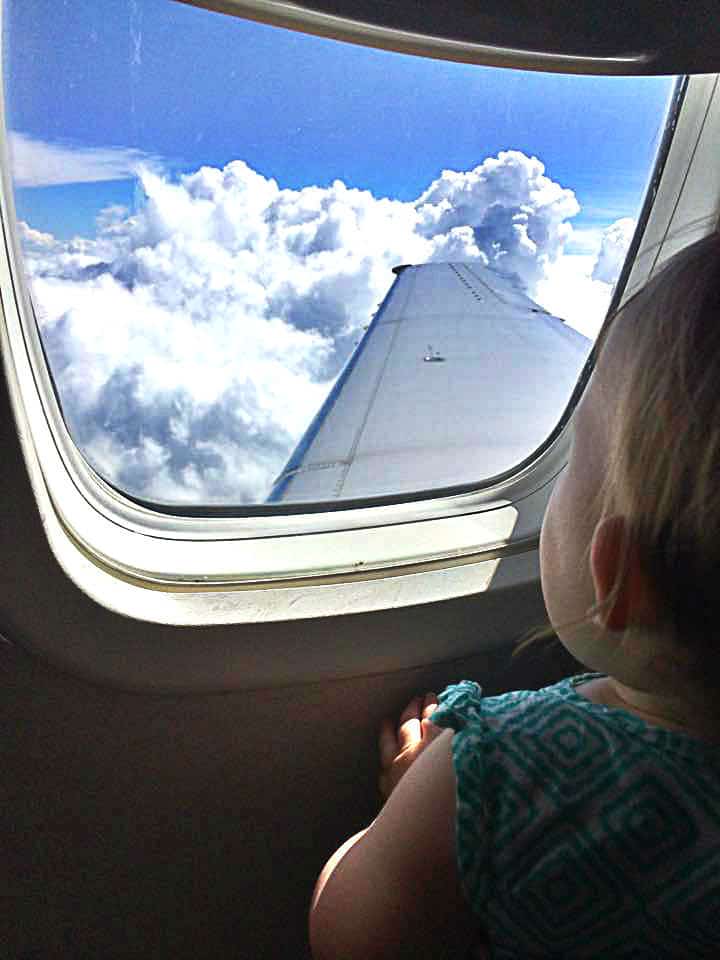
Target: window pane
210, 211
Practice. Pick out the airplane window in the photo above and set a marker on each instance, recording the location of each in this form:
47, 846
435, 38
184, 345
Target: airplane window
274, 268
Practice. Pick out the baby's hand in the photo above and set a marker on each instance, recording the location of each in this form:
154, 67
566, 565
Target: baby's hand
400, 746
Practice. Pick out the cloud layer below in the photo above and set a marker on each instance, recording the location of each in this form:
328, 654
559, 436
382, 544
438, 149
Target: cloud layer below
193, 341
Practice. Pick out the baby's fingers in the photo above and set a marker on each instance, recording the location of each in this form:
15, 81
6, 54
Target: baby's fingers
411, 711
429, 731
388, 744
409, 732
429, 705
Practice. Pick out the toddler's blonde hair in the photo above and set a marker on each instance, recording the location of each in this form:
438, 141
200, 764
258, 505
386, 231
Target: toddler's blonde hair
663, 470
664, 460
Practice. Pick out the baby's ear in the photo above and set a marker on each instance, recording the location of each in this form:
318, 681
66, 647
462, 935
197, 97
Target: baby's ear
624, 595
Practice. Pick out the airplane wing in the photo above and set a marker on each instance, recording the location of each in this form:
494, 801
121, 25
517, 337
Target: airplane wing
459, 377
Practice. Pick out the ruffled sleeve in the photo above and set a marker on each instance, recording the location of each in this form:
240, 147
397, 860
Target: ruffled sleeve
458, 705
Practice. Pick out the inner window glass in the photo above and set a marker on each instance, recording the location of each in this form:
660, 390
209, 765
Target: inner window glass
210, 211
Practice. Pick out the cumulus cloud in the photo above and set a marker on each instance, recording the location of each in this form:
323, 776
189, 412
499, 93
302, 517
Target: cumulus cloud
38, 163
613, 249
579, 286
35, 239
568, 291
193, 340
518, 216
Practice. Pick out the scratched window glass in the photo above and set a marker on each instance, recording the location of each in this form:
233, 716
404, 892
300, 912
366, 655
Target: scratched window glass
270, 267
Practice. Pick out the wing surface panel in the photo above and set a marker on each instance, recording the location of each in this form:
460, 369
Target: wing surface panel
459, 376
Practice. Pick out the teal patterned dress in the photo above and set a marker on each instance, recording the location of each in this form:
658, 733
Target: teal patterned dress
582, 831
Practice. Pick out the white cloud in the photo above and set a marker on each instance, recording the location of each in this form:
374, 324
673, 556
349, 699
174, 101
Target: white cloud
38, 163
613, 249
579, 286
584, 240
568, 291
35, 238
193, 341
518, 215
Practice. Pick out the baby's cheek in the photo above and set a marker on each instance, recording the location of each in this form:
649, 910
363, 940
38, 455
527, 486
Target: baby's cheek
561, 557
552, 522
549, 560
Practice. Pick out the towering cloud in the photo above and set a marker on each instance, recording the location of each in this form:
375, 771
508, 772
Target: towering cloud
193, 340
613, 248
518, 216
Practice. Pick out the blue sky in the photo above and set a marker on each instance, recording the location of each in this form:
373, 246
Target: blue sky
195, 88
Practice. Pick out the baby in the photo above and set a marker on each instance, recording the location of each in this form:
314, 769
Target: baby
581, 820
